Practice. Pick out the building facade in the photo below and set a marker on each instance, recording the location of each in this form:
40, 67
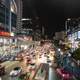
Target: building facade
37, 35
19, 15
8, 15
60, 35
73, 32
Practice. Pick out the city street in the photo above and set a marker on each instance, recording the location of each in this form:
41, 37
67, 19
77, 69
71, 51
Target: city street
39, 40
38, 63
52, 74
43, 72
9, 65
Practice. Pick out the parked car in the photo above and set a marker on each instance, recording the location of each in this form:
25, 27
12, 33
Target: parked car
64, 74
28, 61
16, 72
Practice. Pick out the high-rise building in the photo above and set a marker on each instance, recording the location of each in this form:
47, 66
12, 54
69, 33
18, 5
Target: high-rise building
37, 35
11, 15
8, 15
19, 15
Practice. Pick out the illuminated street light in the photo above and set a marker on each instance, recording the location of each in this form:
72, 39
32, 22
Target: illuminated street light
66, 26
26, 19
68, 19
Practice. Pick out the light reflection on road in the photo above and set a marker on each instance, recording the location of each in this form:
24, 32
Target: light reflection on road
52, 74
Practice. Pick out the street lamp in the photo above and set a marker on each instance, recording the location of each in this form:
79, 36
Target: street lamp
69, 19
25, 19
66, 26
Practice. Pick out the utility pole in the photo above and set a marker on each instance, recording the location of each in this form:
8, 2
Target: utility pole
43, 31
10, 18
10, 25
66, 26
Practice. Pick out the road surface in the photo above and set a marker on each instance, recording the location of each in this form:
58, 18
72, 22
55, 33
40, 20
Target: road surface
50, 75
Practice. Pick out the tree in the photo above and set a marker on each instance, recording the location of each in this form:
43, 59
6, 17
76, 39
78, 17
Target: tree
56, 42
76, 54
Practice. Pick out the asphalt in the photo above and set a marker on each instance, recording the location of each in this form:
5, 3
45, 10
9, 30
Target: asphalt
52, 74
47, 73
40, 75
9, 65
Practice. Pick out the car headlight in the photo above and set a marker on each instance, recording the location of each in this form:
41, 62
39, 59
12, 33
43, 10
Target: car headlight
63, 75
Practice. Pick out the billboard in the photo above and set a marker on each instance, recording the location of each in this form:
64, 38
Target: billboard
78, 34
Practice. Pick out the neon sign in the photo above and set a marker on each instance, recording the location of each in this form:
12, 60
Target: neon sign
4, 33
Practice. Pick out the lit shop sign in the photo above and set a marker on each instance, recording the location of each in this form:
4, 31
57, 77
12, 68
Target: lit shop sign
78, 34
4, 33
69, 37
28, 38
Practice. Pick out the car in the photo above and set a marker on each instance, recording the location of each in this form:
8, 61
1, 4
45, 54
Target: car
55, 64
64, 74
16, 72
29, 61
32, 66
18, 58
49, 62
47, 56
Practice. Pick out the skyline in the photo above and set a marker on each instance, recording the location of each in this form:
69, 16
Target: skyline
52, 14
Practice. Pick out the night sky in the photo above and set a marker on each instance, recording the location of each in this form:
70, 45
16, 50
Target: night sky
51, 13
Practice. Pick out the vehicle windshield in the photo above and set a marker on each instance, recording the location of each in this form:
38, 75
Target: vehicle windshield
16, 68
32, 64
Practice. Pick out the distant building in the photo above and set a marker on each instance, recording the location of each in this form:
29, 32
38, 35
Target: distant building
73, 29
37, 34
60, 35
26, 32
11, 15
19, 15
8, 9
